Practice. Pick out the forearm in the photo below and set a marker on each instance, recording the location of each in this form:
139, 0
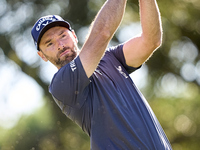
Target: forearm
151, 21
138, 49
109, 17
102, 29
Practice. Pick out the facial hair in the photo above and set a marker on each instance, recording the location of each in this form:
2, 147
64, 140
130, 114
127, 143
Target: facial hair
67, 58
60, 62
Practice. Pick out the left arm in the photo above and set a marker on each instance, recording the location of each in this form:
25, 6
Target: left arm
137, 50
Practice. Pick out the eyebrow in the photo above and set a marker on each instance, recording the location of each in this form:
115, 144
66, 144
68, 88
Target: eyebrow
48, 41
61, 32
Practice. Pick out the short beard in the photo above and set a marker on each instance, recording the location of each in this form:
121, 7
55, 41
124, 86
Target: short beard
67, 58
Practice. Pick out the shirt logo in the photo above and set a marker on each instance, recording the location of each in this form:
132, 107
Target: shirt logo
119, 68
73, 65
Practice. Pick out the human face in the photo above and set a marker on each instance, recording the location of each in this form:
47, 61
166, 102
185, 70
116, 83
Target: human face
59, 46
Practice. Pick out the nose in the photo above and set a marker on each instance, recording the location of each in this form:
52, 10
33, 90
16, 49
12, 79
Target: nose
60, 45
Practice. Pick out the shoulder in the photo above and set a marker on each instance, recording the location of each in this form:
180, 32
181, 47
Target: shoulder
67, 81
117, 52
116, 48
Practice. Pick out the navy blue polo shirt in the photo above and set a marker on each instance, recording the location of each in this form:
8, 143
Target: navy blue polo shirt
108, 106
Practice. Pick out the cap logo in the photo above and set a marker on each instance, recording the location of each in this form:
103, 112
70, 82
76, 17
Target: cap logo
42, 22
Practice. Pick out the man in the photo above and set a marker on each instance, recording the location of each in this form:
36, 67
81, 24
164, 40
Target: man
92, 86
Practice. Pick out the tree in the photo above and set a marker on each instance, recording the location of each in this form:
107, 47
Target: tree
172, 84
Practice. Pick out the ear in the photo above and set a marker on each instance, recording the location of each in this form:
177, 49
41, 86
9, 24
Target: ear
74, 34
42, 56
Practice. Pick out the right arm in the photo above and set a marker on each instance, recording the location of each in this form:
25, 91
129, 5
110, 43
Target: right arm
102, 30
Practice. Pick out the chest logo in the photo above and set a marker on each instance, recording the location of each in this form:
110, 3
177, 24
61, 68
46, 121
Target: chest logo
119, 68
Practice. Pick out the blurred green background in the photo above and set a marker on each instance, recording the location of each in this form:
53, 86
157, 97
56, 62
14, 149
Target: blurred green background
29, 118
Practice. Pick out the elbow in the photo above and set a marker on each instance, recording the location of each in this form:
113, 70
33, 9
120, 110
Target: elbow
102, 34
152, 43
105, 34
158, 39
153, 39
103, 37
156, 42
105, 31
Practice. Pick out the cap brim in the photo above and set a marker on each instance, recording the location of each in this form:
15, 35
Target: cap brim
50, 25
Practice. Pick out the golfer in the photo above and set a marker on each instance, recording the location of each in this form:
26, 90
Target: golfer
93, 87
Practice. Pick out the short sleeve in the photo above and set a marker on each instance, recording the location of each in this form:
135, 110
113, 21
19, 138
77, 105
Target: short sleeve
117, 51
69, 84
